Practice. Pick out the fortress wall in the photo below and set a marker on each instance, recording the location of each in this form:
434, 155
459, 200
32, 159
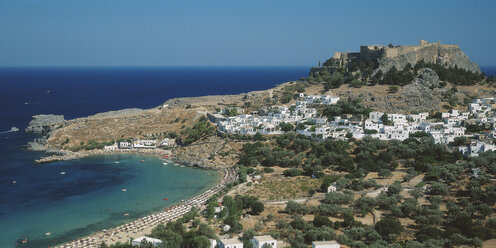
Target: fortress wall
396, 51
450, 55
371, 52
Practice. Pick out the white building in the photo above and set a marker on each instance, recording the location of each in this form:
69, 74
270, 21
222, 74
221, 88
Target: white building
124, 145
259, 241
325, 244
213, 243
230, 243
138, 241
145, 144
111, 147
475, 148
375, 116
331, 188
168, 142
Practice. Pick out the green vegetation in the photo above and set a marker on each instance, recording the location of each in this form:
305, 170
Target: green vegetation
231, 112
175, 234
395, 77
467, 217
456, 76
361, 73
201, 129
350, 106
290, 91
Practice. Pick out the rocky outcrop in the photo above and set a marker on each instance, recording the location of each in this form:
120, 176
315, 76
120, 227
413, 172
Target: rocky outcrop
448, 55
43, 124
427, 78
400, 56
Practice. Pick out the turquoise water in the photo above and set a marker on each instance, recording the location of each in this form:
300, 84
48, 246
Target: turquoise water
88, 197
148, 183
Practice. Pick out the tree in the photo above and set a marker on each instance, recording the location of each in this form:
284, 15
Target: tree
320, 220
258, 137
201, 242
257, 207
385, 119
356, 83
286, 127
385, 173
389, 228
459, 141
293, 172
393, 89
438, 188
293, 207
394, 188
206, 231
298, 223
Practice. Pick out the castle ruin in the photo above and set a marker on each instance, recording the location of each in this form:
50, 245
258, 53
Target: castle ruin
399, 56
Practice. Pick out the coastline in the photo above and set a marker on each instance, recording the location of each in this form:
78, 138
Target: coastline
144, 225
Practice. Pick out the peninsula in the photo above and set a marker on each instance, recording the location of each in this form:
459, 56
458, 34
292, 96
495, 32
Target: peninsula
392, 146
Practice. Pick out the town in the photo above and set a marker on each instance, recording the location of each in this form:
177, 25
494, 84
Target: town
445, 128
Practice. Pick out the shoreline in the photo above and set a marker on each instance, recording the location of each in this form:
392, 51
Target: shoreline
144, 225
141, 226
63, 155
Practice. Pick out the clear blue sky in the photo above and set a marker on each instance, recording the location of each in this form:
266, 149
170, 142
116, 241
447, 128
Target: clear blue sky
231, 32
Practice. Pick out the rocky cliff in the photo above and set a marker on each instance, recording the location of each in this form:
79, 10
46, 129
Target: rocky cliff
448, 55
43, 124
385, 57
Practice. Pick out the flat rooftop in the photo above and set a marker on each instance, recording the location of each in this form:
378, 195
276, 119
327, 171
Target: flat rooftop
331, 242
264, 238
232, 241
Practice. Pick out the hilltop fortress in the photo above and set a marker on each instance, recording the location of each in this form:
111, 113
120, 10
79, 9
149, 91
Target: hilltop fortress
399, 56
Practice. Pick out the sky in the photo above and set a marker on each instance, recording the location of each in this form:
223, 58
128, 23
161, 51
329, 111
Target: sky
232, 32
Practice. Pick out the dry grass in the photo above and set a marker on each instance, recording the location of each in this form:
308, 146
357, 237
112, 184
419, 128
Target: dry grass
148, 122
282, 188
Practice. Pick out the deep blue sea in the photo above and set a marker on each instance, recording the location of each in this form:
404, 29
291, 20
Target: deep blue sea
88, 197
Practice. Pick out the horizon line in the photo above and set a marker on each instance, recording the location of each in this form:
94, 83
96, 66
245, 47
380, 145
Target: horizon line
141, 66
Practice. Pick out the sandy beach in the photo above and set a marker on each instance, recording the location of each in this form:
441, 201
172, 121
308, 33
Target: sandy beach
144, 225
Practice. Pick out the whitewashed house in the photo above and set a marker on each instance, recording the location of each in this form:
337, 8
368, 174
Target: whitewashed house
140, 144
332, 188
230, 243
168, 142
475, 148
111, 147
325, 244
125, 145
375, 116
259, 241
213, 243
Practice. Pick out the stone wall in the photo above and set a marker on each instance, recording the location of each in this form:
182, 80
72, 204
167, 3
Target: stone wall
400, 56
450, 55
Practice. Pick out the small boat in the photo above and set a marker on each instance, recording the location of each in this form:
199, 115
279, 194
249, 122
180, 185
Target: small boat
12, 129
126, 214
62, 173
117, 162
14, 182
48, 234
142, 160
123, 189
